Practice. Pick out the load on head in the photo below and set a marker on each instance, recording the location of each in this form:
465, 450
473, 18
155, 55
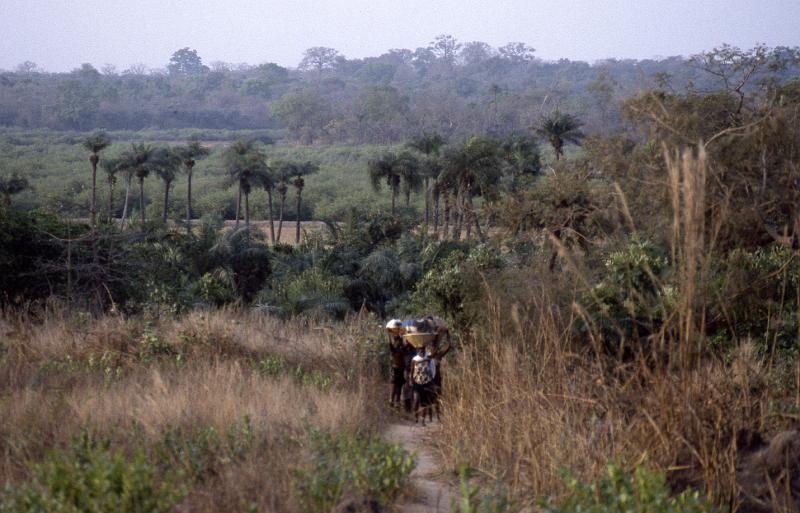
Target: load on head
418, 332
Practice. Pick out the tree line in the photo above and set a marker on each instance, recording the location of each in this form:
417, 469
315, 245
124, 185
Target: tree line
452, 87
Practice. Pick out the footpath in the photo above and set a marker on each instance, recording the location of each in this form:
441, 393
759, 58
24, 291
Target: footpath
430, 493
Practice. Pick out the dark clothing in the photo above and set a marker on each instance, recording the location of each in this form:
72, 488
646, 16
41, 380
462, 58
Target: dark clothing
425, 394
397, 376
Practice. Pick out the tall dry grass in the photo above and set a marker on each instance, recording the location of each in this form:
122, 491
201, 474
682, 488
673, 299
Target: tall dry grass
529, 398
132, 382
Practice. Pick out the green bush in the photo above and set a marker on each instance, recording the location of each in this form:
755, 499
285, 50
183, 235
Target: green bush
496, 501
632, 299
200, 453
89, 477
343, 463
616, 491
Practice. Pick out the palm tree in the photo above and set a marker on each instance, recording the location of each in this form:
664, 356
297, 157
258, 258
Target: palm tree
95, 143
111, 168
166, 163
190, 154
266, 178
410, 178
521, 156
394, 168
302, 170
242, 160
283, 172
11, 185
428, 144
474, 169
560, 128
140, 162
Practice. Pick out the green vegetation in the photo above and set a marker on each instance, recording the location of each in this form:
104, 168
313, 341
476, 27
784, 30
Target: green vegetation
90, 477
626, 295
617, 491
345, 465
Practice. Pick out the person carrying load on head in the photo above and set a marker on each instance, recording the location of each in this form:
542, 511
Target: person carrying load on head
437, 351
423, 372
399, 350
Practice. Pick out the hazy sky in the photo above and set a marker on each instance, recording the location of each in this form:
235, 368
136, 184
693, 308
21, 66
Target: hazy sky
61, 34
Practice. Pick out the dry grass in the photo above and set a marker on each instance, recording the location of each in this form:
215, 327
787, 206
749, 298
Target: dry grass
61, 375
528, 399
524, 405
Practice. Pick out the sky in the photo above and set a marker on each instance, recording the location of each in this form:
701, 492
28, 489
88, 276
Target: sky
60, 35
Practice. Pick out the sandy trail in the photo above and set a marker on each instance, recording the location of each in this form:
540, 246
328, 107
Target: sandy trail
430, 492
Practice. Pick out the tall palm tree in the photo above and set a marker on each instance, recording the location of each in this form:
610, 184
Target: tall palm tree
166, 163
95, 143
411, 179
242, 159
440, 190
474, 168
429, 144
111, 168
190, 154
265, 177
393, 168
283, 172
140, 161
560, 128
302, 170
128, 171
11, 185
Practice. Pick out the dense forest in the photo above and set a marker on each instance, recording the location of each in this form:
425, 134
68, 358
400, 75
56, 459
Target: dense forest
456, 88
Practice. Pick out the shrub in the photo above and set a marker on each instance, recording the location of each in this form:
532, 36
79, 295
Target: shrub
632, 300
344, 463
199, 453
496, 501
89, 477
616, 491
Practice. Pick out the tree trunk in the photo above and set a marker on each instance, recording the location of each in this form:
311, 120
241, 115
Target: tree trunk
280, 215
110, 199
238, 206
435, 216
125, 206
271, 221
446, 214
93, 159
166, 200
189, 200
247, 209
297, 231
459, 215
475, 220
141, 200
394, 195
428, 193
468, 213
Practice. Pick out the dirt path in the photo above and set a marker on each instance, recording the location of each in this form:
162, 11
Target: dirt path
430, 493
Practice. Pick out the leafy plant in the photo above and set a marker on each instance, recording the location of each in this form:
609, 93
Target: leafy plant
90, 477
617, 491
200, 453
496, 501
342, 463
